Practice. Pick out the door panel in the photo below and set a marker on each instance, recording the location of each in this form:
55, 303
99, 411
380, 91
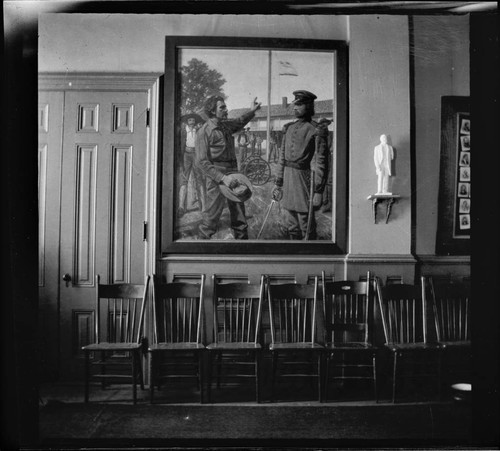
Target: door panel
102, 207
50, 129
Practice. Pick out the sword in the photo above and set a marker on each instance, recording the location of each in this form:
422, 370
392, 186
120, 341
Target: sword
311, 194
311, 207
267, 216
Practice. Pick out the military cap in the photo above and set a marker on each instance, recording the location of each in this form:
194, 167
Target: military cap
303, 96
324, 121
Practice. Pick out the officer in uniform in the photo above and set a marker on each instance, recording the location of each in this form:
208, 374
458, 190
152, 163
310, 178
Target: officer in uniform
303, 154
216, 159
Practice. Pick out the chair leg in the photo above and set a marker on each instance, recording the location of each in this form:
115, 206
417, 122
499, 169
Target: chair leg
273, 374
257, 371
326, 377
139, 365
209, 377
311, 370
320, 373
394, 374
134, 377
197, 365
439, 371
152, 375
87, 375
103, 369
200, 375
218, 369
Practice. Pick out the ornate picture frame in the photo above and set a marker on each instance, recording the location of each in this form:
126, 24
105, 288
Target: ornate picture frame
240, 70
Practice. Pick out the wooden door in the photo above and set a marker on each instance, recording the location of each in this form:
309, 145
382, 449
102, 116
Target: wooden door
103, 203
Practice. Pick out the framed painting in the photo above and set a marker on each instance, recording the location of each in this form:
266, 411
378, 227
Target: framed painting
454, 220
254, 146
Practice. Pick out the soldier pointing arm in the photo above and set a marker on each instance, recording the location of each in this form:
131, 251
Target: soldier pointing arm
216, 159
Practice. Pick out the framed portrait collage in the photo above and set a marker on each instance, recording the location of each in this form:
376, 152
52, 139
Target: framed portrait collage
462, 224
454, 209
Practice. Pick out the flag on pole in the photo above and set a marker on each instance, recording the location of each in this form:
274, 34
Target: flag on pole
286, 68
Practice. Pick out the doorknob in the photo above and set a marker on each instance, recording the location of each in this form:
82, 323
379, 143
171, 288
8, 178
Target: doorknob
66, 278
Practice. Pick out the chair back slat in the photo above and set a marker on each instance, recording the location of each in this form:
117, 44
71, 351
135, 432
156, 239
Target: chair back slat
292, 309
117, 307
237, 311
348, 307
178, 311
451, 308
403, 310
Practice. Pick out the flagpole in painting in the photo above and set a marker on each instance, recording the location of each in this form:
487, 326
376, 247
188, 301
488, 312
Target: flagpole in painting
284, 68
268, 140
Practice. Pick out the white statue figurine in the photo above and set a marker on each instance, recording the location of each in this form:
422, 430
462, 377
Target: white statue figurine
382, 156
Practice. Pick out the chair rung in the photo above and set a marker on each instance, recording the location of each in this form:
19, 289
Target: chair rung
297, 375
293, 362
228, 376
351, 377
226, 363
176, 376
177, 364
110, 363
352, 366
111, 376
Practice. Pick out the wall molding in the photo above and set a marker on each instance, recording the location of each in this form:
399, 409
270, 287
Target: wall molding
448, 260
381, 258
176, 258
109, 81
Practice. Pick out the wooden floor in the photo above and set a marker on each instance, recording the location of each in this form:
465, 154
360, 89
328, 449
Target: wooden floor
233, 419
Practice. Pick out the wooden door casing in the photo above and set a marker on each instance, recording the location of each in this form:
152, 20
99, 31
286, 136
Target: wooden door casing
103, 187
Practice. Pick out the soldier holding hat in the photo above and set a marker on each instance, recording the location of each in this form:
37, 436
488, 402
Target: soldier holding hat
302, 168
216, 159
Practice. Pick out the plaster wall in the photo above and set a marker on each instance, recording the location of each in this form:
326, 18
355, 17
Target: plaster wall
441, 69
136, 42
379, 103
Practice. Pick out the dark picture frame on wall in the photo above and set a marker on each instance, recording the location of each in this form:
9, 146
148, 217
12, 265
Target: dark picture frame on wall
240, 70
454, 207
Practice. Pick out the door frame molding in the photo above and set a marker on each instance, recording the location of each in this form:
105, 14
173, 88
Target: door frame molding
133, 82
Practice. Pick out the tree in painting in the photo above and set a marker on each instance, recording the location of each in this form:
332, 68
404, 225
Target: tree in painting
199, 81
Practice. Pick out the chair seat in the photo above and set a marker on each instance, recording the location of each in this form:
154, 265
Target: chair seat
411, 346
105, 346
352, 346
294, 346
233, 346
455, 344
175, 347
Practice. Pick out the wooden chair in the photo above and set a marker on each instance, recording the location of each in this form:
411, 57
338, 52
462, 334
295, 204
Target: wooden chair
236, 348
451, 308
293, 318
390, 280
119, 317
348, 307
403, 309
176, 352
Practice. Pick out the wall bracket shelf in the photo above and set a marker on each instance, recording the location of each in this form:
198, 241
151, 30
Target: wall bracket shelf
389, 199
